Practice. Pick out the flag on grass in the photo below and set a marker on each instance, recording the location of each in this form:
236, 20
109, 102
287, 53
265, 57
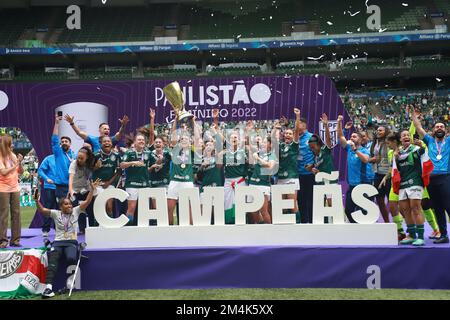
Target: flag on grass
22, 272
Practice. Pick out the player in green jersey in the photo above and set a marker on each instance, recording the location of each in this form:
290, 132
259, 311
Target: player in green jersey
106, 169
234, 162
135, 163
159, 170
266, 165
182, 155
408, 163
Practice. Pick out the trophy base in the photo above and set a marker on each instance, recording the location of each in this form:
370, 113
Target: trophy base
185, 116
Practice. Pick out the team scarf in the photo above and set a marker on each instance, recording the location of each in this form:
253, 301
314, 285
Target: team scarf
427, 168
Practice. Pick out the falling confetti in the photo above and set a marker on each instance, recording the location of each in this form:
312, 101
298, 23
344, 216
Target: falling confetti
348, 32
290, 83
279, 92
245, 49
320, 93
366, 3
438, 79
316, 75
270, 17
353, 14
212, 14
238, 36
329, 23
382, 30
213, 54
314, 58
189, 81
404, 4
359, 29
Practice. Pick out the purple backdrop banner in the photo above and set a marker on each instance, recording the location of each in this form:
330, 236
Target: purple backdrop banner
31, 106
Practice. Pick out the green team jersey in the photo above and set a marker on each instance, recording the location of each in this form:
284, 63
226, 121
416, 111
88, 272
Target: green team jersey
258, 178
212, 174
324, 160
288, 160
110, 164
410, 166
182, 169
235, 164
136, 177
160, 176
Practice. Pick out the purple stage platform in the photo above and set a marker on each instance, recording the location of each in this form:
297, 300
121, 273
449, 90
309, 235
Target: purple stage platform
260, 267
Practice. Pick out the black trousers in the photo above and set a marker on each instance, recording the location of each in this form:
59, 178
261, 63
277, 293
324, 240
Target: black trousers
89, 212
48, 197
305, 197
67, 249
439, 189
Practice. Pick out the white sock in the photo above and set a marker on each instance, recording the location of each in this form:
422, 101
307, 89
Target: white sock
49, 286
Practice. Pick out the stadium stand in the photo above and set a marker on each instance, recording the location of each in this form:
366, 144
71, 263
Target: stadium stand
210, 20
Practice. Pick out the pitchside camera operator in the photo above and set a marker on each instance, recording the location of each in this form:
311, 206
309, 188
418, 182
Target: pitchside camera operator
66, 226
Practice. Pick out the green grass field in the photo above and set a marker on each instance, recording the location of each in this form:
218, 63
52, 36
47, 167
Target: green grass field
247, 294
259, 294
27, 214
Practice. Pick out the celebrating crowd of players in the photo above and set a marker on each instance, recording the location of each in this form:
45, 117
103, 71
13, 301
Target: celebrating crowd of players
410, 168
400, 165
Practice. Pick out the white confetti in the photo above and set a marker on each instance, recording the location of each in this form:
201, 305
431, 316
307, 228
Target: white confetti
348, 32
189, 81
377, 103
245, 49
366, 3
320, 93
212, 14
382, 30
238, 36
98, 88
329, 23
290, 83
366, 53
359, 29
279, 92
404, 4
353, 14
354, 56
104, 1
333, 53
270, 17
438, 79
314, 58
316, 75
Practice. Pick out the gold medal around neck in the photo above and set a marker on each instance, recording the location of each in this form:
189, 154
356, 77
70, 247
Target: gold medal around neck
183, 166
66, 235
439, 157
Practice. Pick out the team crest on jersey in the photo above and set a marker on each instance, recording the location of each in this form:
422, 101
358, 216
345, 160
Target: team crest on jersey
332, 125
145, 157
113, 157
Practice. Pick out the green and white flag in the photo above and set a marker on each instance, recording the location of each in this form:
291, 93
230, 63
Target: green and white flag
22, 272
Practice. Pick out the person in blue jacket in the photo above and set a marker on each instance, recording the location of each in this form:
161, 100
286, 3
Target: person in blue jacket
63, 157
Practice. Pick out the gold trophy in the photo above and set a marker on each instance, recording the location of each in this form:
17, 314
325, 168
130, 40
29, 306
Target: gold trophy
175, 97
